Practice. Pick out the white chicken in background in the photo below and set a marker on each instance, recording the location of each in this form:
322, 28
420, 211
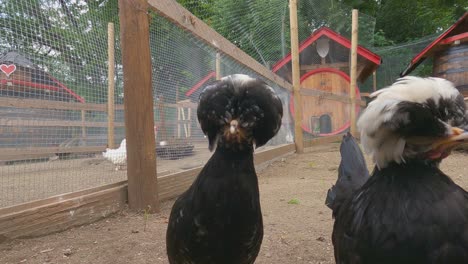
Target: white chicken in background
117, 156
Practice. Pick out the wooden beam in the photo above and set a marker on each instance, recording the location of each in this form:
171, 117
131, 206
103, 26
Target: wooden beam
61, 123
12, 154
57, 105
83, 123
323, 140
298, 136
61, 212
336, 65
374, 81
331, 96
139, 117
47, 104
271, 154
19, 122
218, 66
111, 86
178, 15
353, 74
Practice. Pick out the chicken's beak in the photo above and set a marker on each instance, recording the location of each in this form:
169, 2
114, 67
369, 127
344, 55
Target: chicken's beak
233, 126
458, 137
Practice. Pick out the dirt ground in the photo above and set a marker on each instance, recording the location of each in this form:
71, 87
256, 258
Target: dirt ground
294, 233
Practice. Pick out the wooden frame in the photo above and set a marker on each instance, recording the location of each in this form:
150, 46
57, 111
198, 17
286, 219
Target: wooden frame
64, 211
61, 212
139, 114
296, 76
181, 17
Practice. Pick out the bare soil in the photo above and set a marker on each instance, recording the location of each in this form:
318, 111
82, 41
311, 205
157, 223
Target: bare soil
294, 233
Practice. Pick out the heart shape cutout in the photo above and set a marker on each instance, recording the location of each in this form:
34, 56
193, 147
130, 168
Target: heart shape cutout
8, 69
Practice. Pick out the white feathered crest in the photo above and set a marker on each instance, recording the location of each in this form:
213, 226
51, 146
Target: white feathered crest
381, 142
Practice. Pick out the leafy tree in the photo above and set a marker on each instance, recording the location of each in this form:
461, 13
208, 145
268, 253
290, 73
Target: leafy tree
66, 38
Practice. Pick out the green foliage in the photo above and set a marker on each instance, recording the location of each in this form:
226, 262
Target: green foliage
404, 21
293, 201
66, 38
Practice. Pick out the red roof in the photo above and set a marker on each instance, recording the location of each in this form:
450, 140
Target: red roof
447, 37
52, 84
324, 31
200, 83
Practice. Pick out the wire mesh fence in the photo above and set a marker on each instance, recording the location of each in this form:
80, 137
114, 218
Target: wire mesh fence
53, 98
396, 58
182, 66
54, 83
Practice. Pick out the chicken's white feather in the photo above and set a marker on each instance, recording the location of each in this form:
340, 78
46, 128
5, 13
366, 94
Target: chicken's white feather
380, 142
117, 156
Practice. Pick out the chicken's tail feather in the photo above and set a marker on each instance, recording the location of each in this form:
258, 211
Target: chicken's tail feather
352, 173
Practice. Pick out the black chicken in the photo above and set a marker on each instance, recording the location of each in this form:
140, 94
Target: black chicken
352, 173
218, 219
408, 211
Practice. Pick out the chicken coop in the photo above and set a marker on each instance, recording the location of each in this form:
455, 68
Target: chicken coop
449, 54
324, 64
20, 78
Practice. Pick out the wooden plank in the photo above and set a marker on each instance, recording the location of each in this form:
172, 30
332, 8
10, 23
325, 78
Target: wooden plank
336, 65
47, 104
110, 86
61, 212
56, 105
12, 154
323, 140
83, 123
64, 123
298, 136
218, 66
139, 116
374, 81
353, 74
270, 154
331, 96
181, 17
51, 123
72, 209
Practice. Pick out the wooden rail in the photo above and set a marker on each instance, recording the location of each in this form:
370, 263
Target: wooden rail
12, 154
64, 211
331, 96
57, 105
323, 140
185, 20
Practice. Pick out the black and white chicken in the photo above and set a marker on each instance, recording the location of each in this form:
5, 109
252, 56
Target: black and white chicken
408, 211
219, 219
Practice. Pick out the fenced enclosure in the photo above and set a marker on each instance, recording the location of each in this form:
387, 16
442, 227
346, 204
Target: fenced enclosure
64, 104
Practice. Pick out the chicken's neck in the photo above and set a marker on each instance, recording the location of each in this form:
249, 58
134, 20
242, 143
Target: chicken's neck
230, 165
410, 169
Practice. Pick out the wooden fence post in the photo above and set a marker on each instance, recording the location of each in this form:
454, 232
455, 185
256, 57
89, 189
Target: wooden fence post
374, 81
111, 86
353, 73
298, 137
218, 66
138, 101
83, 126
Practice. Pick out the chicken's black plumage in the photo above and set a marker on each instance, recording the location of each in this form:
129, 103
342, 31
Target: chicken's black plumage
218, 219
411, 213
408, 211
352, 173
